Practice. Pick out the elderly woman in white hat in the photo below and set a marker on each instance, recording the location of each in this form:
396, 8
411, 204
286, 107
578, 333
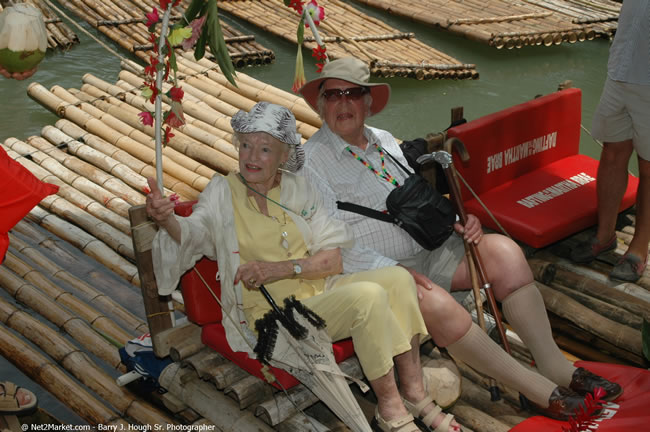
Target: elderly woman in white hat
268, 226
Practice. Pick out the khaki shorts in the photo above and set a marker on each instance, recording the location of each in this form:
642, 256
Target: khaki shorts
440, 264
622, 114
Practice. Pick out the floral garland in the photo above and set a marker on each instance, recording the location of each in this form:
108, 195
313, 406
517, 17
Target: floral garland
313, 14
204, 29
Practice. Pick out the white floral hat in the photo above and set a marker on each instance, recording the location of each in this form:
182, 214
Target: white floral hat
277, 121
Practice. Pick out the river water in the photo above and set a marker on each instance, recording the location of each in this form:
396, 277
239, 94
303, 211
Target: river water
507, 77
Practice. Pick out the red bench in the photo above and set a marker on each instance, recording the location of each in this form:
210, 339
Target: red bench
524, 165
202, 309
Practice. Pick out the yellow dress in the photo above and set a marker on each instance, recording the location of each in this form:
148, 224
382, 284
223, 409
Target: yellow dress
268, 238
379, 308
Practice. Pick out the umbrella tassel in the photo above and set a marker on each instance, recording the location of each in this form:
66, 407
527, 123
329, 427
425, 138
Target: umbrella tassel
267, 334
303, 310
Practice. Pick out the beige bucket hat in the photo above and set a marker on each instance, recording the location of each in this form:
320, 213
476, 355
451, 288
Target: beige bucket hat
352, 70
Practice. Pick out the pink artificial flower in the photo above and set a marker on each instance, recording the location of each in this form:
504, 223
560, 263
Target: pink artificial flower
320, 52
146, 117
168, 135
176, 94
175, 116
197, 28
296, 5
317, 12
152, 17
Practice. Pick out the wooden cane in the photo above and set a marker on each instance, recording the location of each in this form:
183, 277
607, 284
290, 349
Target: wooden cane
456, 196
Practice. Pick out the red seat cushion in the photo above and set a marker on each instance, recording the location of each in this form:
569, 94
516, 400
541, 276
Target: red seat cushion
517, 154
549, 203
200, 306
214, 336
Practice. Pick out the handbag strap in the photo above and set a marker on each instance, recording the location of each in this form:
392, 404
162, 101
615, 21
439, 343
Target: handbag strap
408, 173
365, 211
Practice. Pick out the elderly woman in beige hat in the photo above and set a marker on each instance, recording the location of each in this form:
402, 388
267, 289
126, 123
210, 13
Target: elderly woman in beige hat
268, 226
348, 161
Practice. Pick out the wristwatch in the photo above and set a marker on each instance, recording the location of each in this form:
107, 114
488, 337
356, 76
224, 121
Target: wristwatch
297, 268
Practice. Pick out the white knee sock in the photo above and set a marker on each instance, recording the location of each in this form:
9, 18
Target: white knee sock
524, 309
480, 352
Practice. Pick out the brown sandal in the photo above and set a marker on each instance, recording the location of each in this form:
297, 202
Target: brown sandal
9, 404
403, 424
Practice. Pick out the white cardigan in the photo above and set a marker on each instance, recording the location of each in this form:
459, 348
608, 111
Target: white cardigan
210, 231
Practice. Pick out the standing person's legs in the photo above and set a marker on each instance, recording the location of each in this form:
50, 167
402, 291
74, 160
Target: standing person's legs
611, 183
639, 243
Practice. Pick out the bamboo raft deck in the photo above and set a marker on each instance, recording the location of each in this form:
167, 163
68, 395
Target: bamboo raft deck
59, 35
123, 21
71, 261
348, 32
512, 23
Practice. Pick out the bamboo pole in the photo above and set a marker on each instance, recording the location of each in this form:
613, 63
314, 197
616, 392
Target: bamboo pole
88, 292
76, 327
50, 377
88, 244
596, 289
182, 165
617, 334
84, 181
141, 168
67, 299
60, 204
204, 399
81, 367
118, 139
85, 268
123, 175
97, 174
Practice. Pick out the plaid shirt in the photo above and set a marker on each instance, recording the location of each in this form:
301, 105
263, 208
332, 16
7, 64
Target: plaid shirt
339, 176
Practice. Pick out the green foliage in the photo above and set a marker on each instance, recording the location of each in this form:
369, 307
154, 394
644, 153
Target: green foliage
217, 43
194, 9
645, 337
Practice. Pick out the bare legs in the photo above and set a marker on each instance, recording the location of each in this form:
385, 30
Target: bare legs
611, 183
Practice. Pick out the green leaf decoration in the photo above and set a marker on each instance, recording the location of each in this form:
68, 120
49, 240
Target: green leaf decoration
199, 48
193, 9
286, 2
172, 62
217, 43
645, 338
301, 31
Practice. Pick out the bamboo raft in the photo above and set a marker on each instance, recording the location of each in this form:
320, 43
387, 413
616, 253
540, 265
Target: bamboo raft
512, 23
123, 21
348, 32
71, 263
59, 35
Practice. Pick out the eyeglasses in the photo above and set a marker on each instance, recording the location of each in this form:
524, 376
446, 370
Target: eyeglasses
353, 93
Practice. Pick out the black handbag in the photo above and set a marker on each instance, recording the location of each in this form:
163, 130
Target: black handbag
416, 207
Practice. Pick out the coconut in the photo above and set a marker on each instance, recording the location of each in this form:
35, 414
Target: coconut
23, 37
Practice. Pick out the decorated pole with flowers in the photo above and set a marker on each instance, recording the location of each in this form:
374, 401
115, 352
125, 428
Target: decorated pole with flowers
313, 14
204, 29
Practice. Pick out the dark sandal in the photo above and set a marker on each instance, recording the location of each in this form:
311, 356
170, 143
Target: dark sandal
9, 404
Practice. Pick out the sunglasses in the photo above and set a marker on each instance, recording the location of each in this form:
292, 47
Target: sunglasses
353, 93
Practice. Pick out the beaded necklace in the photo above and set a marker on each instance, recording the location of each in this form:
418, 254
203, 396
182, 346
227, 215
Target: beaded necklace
383, 174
